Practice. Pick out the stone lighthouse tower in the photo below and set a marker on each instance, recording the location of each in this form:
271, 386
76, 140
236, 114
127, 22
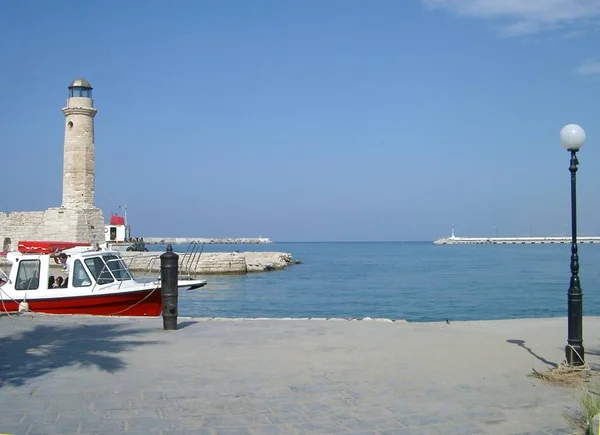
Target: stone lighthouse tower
78, 200
78, 170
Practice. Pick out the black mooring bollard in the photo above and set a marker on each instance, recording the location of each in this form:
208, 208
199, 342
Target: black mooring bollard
169, 274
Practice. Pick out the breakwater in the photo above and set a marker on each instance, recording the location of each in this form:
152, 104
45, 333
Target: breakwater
207, 241
210, 263
512, 240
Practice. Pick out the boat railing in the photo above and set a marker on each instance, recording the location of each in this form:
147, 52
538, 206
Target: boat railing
151, 265
142, 258
122, 270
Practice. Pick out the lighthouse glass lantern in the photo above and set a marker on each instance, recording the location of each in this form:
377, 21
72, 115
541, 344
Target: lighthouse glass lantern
80, 88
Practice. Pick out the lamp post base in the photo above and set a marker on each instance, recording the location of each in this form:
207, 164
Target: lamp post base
575, 354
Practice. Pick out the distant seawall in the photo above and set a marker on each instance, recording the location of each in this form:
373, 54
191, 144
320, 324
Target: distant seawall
207, 241
512, 240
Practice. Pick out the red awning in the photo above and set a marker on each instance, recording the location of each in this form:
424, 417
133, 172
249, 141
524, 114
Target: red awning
117, 220
43, 247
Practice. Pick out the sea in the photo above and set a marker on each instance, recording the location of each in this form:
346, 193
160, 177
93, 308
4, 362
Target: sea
415, 281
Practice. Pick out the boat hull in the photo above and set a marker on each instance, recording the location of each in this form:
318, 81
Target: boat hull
147, 302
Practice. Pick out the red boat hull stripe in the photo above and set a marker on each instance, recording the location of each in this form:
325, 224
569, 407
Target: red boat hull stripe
139, 303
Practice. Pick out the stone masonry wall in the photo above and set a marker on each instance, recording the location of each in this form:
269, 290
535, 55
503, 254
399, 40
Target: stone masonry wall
59, 224
19, 225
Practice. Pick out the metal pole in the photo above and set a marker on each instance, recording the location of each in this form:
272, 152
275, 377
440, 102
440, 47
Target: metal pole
169, 273
574, 349
127, 229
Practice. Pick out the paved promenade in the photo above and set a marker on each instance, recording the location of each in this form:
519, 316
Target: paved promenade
82, 375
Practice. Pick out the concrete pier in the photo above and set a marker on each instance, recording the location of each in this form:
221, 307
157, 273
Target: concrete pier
86, 375
210, 263
512, 240
208, 241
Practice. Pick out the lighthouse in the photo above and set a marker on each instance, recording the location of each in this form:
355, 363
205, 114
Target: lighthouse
77, 219
78, 164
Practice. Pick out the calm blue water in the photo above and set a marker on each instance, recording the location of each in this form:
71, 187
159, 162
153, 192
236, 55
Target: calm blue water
412, 281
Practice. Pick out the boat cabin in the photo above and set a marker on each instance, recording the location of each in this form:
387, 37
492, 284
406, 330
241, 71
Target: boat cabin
40, 266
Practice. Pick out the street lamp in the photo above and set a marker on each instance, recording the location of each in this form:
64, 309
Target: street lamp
572, 138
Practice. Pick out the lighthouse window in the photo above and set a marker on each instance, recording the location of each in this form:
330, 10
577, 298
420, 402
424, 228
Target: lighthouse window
80, 92
70, 125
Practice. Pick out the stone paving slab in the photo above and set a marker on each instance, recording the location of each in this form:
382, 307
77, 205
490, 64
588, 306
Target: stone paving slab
90, 375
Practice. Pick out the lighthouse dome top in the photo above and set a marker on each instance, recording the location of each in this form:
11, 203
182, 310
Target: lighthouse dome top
80, 83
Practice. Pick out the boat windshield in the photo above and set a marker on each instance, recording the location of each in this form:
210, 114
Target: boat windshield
107, 268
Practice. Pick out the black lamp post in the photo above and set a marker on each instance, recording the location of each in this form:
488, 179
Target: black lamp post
572, 138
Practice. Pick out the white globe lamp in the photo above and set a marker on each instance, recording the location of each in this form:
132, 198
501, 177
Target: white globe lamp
572, 137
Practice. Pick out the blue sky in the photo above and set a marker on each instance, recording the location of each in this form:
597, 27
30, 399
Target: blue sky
306, 120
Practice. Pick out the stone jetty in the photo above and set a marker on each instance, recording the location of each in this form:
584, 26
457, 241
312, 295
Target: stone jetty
206, 241
211, 262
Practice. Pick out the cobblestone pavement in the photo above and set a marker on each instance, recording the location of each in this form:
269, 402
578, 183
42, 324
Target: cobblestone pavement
84, 375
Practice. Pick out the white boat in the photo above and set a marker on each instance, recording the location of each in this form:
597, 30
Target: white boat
96, 281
